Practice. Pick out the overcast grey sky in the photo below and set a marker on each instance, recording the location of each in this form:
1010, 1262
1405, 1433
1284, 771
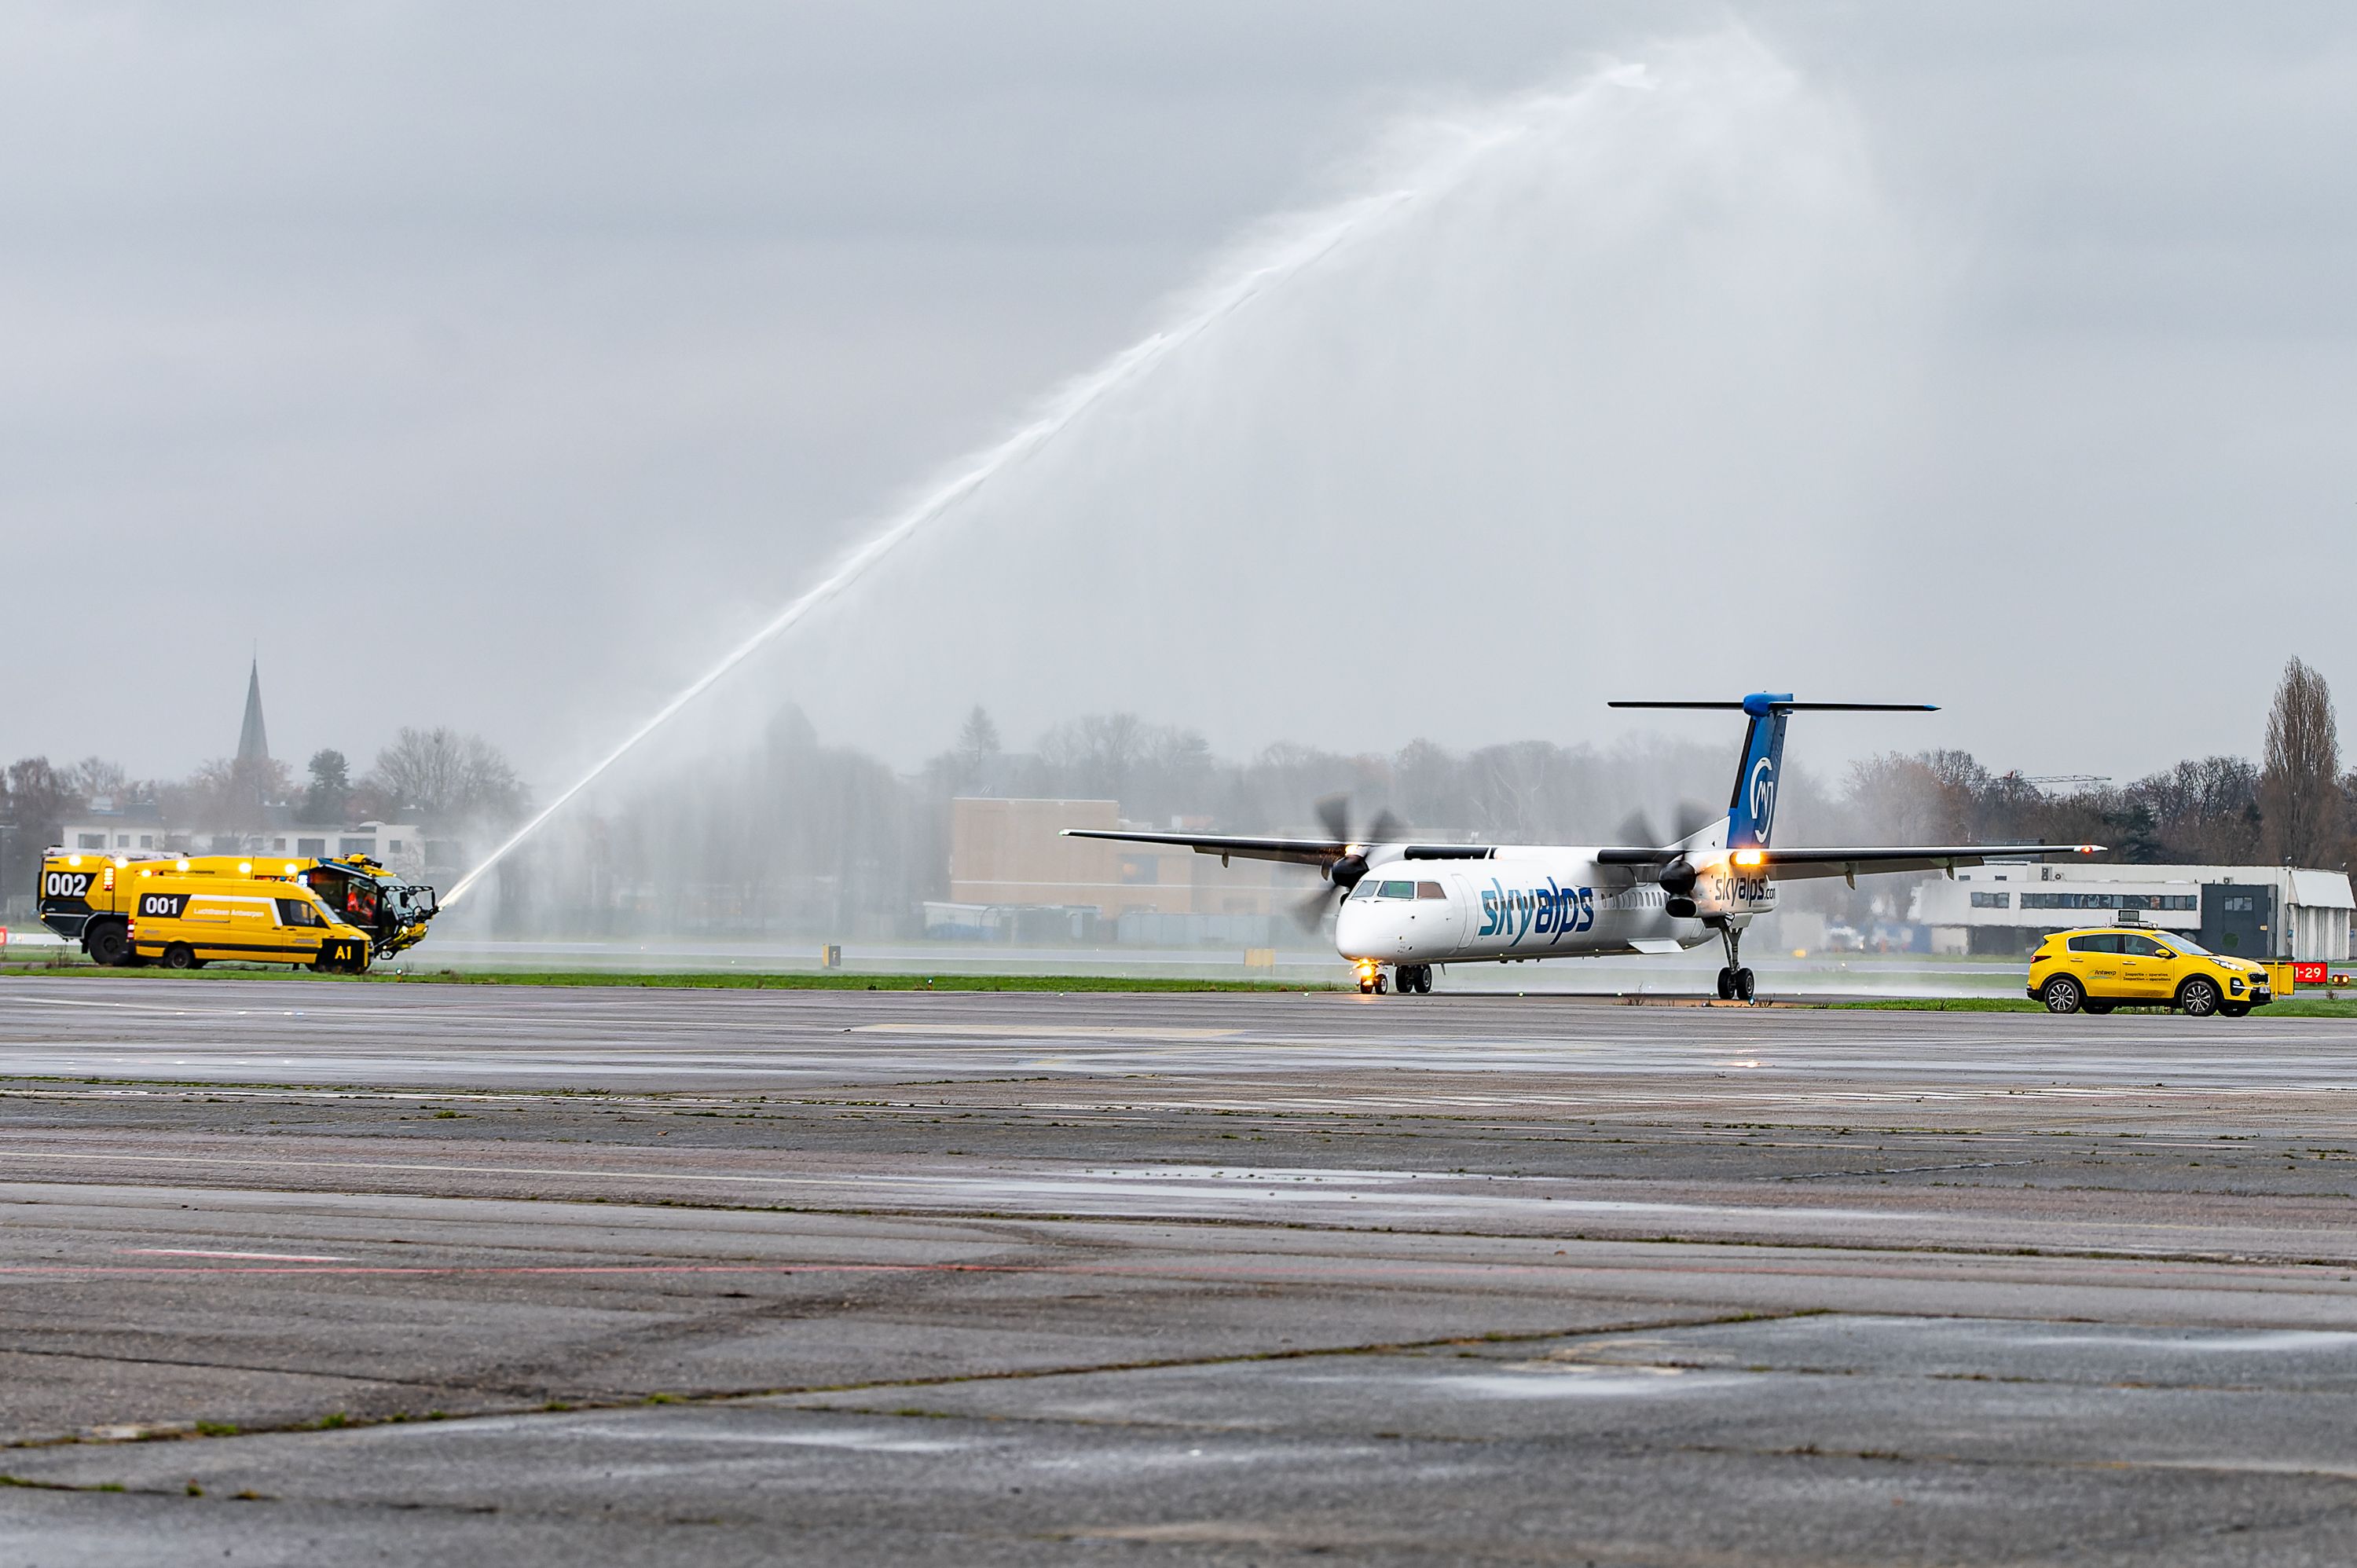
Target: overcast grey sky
497, 366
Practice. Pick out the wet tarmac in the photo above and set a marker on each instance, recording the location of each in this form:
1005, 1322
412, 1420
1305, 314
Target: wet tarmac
323, 1272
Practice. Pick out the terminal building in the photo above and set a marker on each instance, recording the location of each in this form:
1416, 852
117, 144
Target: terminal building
2250, 911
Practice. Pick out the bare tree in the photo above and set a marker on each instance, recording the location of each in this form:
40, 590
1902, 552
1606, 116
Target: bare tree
2299, 783
41, 798
445, 778
95, 779
2206, 809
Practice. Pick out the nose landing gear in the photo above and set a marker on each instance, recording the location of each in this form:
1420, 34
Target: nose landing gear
1415, 979
1735, 983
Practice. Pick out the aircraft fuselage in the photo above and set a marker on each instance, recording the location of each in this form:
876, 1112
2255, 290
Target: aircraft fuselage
1527, 903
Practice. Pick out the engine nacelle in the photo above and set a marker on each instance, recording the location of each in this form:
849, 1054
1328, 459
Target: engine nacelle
1697, 893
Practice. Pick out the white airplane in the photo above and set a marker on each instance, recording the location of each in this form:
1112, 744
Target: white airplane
1407, 906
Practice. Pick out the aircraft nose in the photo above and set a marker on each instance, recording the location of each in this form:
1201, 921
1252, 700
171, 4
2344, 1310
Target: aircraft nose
1354, 929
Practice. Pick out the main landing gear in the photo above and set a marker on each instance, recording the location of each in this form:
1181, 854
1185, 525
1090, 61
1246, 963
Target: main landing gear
1735, 981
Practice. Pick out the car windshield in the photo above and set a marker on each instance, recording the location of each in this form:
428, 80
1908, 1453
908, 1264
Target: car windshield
2186, 944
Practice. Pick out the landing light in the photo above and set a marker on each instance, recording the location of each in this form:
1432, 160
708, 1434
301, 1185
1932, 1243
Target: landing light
1748, 857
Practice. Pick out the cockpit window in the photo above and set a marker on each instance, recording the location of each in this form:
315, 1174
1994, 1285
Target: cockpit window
1399, 890
1430, 890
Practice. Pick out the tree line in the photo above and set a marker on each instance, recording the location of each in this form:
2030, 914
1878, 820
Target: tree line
788, 834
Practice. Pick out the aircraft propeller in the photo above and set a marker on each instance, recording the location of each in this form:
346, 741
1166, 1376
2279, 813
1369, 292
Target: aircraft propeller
1343, 872
1677, 875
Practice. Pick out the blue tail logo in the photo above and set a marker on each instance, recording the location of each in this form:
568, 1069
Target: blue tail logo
1751, 811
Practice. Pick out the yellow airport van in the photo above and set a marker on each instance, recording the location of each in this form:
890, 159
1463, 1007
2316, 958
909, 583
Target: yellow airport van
186, 922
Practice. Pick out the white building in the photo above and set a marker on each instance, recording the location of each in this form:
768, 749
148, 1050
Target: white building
2255, 911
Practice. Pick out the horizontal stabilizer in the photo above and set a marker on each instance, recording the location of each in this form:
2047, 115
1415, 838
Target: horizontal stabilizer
1786, 705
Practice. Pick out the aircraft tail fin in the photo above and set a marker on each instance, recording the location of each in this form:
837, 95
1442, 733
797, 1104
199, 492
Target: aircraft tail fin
1751, 809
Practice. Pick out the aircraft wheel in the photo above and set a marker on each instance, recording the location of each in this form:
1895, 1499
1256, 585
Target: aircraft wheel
1423, 980
2061, 995
1744, 984
1726, 985
179, 955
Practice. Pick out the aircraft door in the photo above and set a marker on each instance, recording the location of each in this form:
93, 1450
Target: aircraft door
1440, 914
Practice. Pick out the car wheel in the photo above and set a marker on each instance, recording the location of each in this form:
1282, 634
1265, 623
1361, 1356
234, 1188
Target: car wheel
179, 955
2198, 997
2062, 994
2234, 1009
2095, 1007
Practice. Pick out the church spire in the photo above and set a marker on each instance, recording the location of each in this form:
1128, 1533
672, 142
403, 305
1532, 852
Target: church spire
253, 741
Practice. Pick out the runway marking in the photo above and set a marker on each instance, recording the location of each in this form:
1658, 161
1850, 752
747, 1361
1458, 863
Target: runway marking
1048, 1031
252, 1257
323, 1016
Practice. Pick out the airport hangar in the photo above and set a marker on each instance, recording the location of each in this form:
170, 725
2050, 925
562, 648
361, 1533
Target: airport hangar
2252, 911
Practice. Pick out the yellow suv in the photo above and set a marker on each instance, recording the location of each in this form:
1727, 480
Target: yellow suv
2096, 971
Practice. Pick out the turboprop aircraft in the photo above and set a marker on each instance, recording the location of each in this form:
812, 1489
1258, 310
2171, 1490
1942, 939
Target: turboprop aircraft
1407, 906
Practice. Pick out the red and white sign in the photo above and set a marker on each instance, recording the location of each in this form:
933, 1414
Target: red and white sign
2311, 974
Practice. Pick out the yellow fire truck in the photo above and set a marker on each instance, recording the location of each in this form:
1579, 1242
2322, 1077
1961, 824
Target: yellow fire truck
91, 898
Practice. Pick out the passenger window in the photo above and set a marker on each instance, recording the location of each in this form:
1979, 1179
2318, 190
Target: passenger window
2095, 944
2144, 947
295, 912
1399, 889
1430, 890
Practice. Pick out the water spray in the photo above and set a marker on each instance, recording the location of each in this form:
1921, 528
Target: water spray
1292, 249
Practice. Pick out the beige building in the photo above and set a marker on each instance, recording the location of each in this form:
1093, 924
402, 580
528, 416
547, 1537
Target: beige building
1014, 851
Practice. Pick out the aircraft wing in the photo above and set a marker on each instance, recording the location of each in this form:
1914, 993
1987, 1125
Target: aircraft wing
1791, 865
1300, 852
